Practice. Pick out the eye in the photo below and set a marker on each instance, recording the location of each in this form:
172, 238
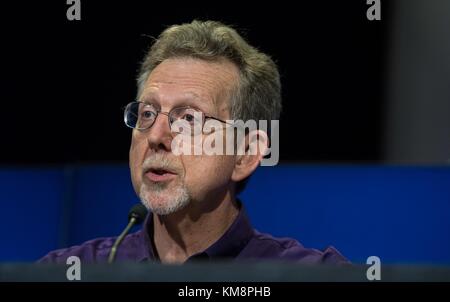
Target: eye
189, 117
147, 114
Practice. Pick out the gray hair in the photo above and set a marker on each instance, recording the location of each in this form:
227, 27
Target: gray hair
258, 92
258, 95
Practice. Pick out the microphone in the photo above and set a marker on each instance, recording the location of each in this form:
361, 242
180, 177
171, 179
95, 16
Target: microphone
136, 215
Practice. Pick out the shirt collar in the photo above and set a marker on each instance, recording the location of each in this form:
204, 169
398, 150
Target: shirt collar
226, 247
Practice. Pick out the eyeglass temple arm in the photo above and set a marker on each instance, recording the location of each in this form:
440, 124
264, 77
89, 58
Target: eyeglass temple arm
217, 119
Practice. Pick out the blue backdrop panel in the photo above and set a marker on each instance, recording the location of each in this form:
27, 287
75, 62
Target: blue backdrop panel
31, 212
102, 197
401, 214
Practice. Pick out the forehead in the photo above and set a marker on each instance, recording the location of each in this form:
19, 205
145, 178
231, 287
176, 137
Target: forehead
188, 81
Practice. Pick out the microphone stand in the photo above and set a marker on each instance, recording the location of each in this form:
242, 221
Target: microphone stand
119, 239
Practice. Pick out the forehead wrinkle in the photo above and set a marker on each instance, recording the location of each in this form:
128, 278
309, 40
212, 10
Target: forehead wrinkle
188, 98
208, 83
214, 103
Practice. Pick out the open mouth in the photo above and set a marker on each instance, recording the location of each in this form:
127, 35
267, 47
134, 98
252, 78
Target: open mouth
159, 175
159, 171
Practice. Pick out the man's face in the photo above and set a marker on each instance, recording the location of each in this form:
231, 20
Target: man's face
165, 182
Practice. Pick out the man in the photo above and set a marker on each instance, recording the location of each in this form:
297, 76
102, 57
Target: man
194, 73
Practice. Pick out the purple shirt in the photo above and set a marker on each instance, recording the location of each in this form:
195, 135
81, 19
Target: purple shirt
240, 242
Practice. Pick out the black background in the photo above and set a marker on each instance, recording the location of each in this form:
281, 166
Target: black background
64, 83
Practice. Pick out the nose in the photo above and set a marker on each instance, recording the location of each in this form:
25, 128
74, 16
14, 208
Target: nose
159, 135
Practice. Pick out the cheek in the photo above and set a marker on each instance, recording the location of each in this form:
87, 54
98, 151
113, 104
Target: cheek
136, 154
208, 172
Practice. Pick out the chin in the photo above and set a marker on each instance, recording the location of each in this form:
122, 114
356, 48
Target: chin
164, 202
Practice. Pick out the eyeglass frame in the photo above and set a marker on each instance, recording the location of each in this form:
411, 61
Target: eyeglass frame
168, 115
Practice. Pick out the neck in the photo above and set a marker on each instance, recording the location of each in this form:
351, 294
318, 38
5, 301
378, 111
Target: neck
192, 230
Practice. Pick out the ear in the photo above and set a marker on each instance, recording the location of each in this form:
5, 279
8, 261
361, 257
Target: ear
255, 147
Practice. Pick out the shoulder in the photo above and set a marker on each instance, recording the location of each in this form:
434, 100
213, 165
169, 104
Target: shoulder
95, 250
269, 247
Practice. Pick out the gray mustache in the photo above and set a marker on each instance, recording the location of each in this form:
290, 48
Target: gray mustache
159, 162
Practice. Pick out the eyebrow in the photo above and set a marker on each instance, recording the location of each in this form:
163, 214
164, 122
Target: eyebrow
188, 99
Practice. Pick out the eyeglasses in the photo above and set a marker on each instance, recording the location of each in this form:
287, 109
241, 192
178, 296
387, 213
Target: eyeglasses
142, 116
